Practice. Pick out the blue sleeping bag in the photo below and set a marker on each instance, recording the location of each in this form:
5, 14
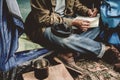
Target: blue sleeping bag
11, 27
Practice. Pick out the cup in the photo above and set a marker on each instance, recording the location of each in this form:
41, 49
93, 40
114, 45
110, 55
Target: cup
41, 68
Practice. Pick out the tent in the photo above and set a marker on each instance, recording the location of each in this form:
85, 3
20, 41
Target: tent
11, 27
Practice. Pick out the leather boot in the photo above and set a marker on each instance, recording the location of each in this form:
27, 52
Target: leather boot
112, 55
68, 61
117, 67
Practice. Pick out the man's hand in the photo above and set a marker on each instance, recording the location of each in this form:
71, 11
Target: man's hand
81, 24
92, 12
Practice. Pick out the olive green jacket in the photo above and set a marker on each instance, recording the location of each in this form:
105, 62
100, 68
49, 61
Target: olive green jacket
42, 14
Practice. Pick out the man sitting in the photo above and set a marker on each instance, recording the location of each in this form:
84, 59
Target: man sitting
44, 15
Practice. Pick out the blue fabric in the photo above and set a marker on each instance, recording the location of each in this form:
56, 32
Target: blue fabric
110, 15
29, 55
11, 27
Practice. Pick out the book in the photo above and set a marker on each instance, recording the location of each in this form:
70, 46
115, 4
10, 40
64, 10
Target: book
94, 21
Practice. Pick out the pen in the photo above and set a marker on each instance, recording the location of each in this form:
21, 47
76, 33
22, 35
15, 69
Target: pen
93, 6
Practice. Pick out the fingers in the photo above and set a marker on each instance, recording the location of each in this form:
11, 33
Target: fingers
85, 23
84, 29
81, 24
92, 13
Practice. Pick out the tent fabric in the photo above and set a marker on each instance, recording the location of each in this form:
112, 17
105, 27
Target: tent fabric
110, 15
11, 27
13, 7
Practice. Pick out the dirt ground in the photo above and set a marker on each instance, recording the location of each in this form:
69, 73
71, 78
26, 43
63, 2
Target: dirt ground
95, 69
91, 69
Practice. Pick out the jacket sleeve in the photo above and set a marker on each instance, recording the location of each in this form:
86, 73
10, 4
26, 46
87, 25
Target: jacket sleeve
43, 15
79, 8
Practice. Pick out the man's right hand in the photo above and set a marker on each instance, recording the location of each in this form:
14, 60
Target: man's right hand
92, 12
81, 24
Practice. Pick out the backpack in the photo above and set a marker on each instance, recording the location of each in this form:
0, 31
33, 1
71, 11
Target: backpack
110, 17
110, 13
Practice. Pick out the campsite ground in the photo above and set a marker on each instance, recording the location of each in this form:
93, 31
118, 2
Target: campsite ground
98, 70
92, 69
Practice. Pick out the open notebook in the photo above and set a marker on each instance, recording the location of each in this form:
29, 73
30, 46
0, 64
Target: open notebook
94, 21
